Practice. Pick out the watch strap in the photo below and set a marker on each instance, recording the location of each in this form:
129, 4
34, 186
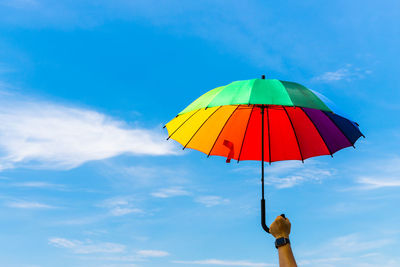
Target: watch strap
279, 242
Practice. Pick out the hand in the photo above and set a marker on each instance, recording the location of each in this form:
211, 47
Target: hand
280, 227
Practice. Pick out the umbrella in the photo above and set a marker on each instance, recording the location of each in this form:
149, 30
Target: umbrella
263, 120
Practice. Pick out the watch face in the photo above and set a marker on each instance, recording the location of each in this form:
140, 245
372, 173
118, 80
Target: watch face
281, 241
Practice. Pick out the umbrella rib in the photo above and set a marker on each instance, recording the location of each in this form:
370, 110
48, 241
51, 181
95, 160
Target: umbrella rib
315, 126
269, 138
245, 131
339, 129
201, 126
221, 131
294, 131
183, 123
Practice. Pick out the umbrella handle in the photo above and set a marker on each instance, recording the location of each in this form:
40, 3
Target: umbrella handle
263, 216
263, 224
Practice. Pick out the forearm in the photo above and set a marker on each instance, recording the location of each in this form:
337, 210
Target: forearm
286, 258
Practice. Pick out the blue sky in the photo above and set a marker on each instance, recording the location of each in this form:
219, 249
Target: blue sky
87, 178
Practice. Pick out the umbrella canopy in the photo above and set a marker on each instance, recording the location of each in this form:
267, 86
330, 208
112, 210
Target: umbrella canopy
267, 120
227, 121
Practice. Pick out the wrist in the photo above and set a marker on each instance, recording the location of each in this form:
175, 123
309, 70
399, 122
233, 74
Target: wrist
281, 235
281, 242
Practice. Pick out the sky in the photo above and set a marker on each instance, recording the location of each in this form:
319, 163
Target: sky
88, 179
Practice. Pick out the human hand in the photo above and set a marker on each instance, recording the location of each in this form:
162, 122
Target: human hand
280, 227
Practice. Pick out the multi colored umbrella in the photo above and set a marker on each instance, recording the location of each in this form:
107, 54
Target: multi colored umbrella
262, 119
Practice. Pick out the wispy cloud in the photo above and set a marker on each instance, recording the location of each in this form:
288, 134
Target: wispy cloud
315, 173
378, 182
281, 175
120, 206
318, 261
354, 249
38, 184
346, 73
366, 260
384, 173
152, 253
40, 134
115, 251
86, 247
113, 207
28, 205
350, 245
356, 243
170, 192
225, 263
210, 201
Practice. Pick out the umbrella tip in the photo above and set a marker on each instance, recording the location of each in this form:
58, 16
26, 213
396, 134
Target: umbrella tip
263, 76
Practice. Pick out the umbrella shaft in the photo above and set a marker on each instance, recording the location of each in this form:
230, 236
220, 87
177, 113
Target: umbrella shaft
262, 150
263, 216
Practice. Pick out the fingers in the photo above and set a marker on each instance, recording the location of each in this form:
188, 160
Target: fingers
280, 218
280, 227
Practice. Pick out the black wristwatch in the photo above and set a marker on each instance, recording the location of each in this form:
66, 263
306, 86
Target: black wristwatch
279, 242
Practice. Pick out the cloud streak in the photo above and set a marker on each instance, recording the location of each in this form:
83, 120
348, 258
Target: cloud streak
28, 205
346, 73
152, 253
38, 184
87, 247
174, 191
381, 174
117, 252
45, 135
378, 182
211, 201
281, 175
225, 263
120, 206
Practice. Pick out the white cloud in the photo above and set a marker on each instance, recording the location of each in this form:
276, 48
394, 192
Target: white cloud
384, 173
146, 176
210, 201
119, 211
225, 263
347, 73
152, 253
351, 245
46, 135
378, 182
320, 261
367, 260
356, 243
86, 247
280, 174
37, 184
355, 249
120, 206
170, 192
117, 252
285, 182
28, 205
